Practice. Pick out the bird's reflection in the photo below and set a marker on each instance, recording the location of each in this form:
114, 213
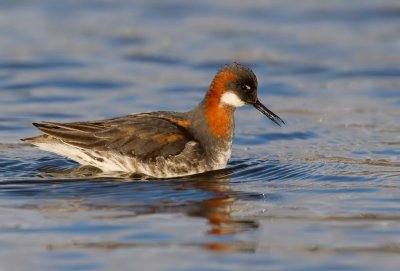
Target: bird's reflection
218, 209
208, 196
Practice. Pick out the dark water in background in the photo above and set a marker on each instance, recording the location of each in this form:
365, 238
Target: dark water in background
322, 193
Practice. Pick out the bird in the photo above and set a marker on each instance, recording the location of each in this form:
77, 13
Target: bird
161, 144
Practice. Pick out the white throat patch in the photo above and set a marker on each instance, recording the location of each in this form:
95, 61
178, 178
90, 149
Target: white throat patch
231, 99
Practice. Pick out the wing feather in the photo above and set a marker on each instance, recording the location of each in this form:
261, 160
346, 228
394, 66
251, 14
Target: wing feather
145, 135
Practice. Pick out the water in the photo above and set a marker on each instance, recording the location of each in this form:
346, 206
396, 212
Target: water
322, 193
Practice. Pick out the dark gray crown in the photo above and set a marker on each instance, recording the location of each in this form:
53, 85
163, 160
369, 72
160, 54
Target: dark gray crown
241, 70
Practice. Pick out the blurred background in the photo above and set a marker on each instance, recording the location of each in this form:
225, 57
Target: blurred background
321, 193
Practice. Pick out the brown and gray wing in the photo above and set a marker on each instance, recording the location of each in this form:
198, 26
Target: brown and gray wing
143, 136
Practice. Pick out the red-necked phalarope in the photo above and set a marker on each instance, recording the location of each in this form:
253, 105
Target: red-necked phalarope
161, 144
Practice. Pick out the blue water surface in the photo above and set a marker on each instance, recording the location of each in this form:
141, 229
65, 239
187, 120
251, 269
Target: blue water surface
321, 193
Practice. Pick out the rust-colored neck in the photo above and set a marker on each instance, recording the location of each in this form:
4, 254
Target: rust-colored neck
219, 116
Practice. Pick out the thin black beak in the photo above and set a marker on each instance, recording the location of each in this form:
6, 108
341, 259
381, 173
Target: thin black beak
271, 115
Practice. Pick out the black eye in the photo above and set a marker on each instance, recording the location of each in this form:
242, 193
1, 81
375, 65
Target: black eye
245, 87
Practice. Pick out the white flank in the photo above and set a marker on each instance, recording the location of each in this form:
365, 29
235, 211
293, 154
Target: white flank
163, 167
231, 99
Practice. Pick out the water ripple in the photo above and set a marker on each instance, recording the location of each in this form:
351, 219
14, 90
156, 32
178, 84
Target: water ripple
263, 138
69, 84
150, 58
39, 65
